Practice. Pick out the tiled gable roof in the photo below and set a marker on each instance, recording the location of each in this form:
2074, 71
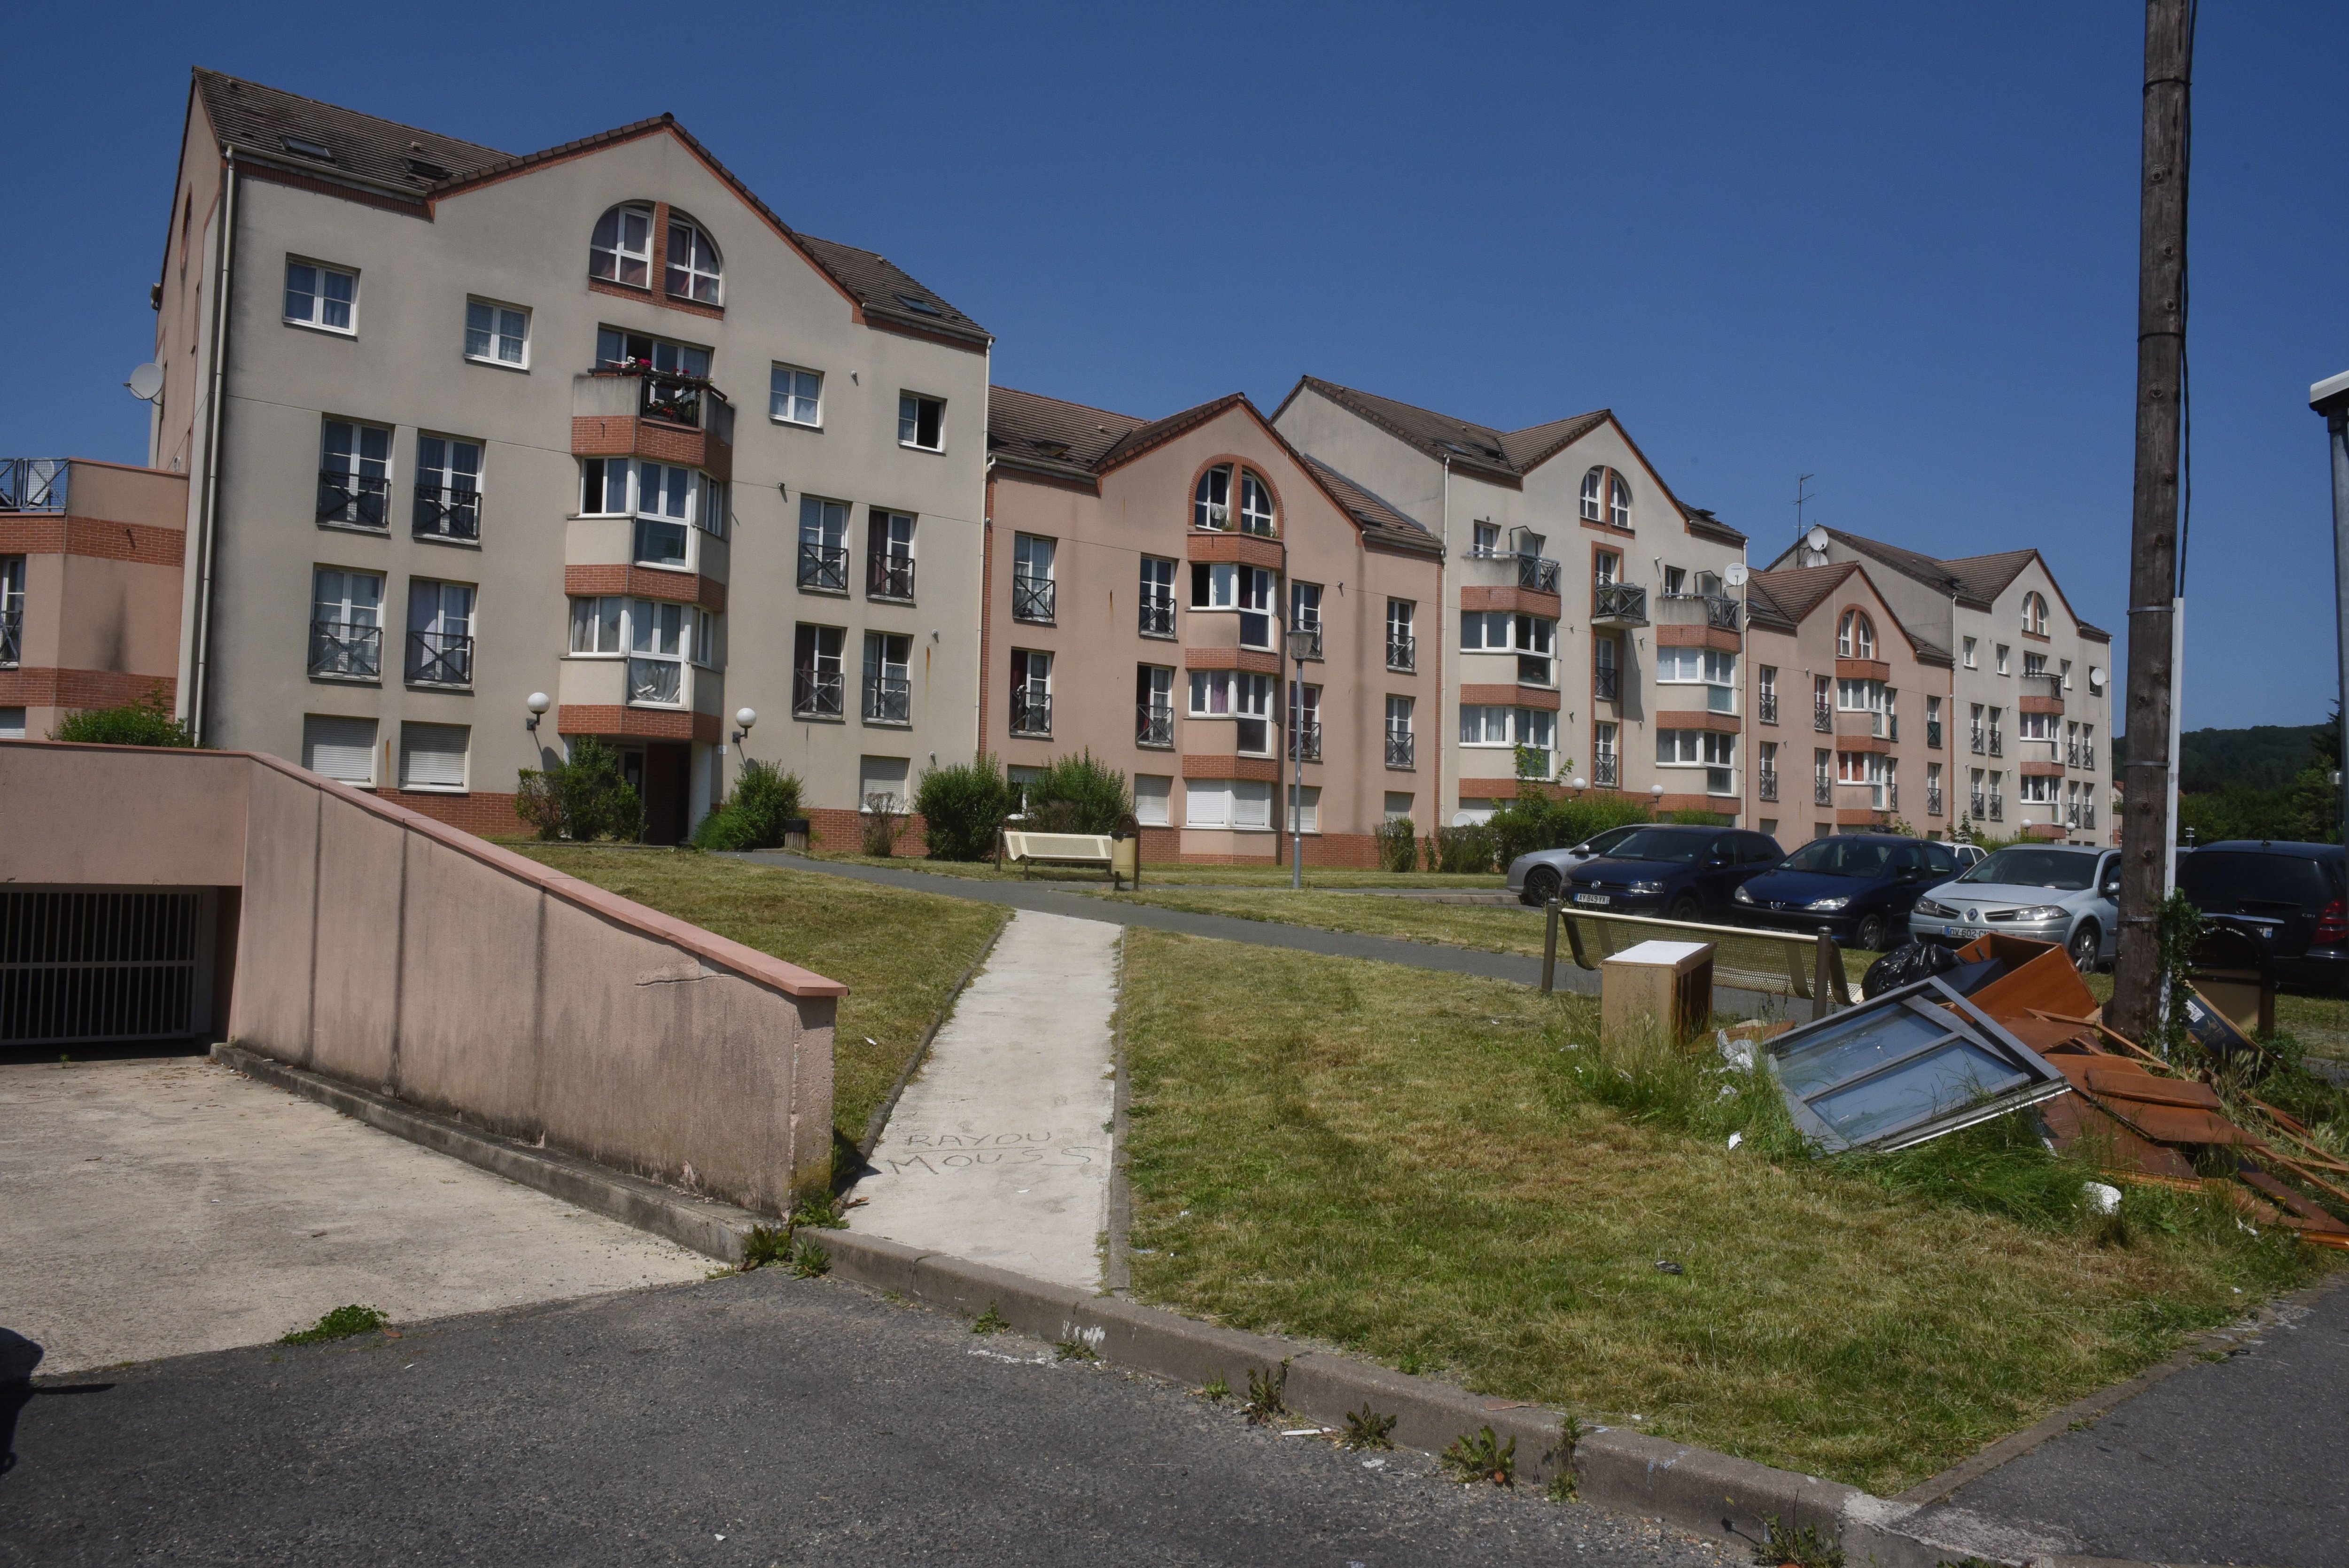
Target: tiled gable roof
884, 288
1377, 518
1985, 577
1782, 599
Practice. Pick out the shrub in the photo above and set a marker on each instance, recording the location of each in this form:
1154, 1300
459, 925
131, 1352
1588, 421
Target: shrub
879, 825
961, 807
583, 797
1537, 820
764, 799
1397, 845
1079, 795
1696, 819
147, 722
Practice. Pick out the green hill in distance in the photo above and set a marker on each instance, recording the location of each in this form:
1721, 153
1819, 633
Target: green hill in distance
2264, 757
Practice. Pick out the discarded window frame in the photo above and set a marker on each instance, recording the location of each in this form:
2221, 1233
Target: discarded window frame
1910, 1065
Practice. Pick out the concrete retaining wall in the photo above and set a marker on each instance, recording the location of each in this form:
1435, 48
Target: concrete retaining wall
390, 951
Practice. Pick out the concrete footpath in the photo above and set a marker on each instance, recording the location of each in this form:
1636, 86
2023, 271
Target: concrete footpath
159, 1206
999, 1149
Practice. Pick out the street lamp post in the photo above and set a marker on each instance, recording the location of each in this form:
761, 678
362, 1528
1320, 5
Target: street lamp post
1300, 648
2329, 397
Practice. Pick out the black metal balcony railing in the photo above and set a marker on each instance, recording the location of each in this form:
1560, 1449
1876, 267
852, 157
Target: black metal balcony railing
1997, 744
1891, 796
1314, 627
1978, 742
1768, 704
1538, 574
440, 658
1032, 711
817, 693
1606, 771
1823, 716
1721, 613
1402, 749
2071, 813
889, 576
1974, 804
1153, 725
1033, 599
1605, 684
2071, 754
1305, 742
1403, 652
1158, 617
1997, 809
11, 637
888, 699
1822, 791
1932, 735
359, 500
1767, 783
2087, 758
33, 484
446, 512
824, 567
1618, 601
345, 649
1891, 726
2087, 814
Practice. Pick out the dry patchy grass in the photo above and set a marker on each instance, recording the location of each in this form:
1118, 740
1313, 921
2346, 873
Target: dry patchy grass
1419, 1168
1157, 875
899, 954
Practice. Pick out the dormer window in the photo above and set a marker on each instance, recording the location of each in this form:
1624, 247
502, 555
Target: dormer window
622, 247
693, 271
305, 147
1211, 503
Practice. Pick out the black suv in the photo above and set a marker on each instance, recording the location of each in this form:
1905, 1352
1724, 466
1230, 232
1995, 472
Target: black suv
1673, 869
2295, 893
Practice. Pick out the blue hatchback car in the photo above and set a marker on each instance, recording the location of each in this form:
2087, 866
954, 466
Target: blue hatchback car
1860, 886
1671, 870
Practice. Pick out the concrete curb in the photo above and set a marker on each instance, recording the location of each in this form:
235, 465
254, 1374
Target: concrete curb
704, 1225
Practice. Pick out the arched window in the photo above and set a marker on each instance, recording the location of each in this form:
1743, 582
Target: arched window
1619, 502
2034, 614
622, 247
1256, 503
1590, 483
1854, 637
693, 267
1211, 507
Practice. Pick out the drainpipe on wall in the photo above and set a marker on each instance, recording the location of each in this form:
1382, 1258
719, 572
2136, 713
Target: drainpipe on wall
1443, 640
207, 522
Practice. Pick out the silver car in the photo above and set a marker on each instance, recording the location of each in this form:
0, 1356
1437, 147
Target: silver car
2064, 894
1536, 877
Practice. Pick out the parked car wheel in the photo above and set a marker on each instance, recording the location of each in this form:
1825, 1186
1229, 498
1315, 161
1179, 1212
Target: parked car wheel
2083, 947
1684, 907
1869, 935
1542, 883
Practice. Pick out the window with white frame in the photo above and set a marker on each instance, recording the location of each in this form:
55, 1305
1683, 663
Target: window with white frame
817, 682
657, 638
824, 544
448, 489
1226, 585
347, 624
693, 269
2034, 726
1855, 636
1675, 582
1863, 768
2035, 789
1485, 540
432, 756
2034, 614
1708, 668
1533, 638
1861, 695
1593, 491
497, 334
1035, 594
1157, 615
921, 422
354, 474
1256, 503
665, 500
321, 296
2063, 669
1226, 803
11, 611
620, 250
795, 396
2002, 659
2034, 666
889, 678
1709, 749
1488, 725
615, 349
1401, 647
439, 633
1031, 692
1618, 500
1241, 694
1211, 499
1970, 655
341, 748
1305, 721
1305, 611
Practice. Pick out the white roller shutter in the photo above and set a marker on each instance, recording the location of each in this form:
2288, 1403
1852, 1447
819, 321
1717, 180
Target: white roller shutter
339, 748
1208, 802
1251, 804
1150, 793
432, 756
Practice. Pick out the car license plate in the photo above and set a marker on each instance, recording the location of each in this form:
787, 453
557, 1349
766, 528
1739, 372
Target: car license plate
1953, 930
1590, 898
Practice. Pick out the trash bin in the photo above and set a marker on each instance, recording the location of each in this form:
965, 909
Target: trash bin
1125, 854
795, 833
1664, 986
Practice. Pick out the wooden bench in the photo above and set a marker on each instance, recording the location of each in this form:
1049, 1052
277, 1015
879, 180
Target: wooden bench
1032, 849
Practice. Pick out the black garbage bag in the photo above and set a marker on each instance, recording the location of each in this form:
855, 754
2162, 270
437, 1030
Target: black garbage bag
1906, 966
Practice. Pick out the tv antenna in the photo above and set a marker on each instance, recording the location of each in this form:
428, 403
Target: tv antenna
1801, 495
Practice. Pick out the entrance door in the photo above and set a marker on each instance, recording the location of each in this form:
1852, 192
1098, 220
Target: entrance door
668, 774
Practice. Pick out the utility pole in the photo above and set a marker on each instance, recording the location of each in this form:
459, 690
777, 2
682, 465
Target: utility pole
2146, 832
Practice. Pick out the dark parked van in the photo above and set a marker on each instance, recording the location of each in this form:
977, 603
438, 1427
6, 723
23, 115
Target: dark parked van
2298, 893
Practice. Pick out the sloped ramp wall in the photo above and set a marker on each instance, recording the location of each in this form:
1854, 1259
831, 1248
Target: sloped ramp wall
386, 949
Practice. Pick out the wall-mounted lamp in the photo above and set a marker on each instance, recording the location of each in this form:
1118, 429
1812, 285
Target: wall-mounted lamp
1657, 791
783, 490
745, 718
538, 704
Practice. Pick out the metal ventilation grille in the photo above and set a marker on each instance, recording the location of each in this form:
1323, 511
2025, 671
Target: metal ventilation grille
82, 964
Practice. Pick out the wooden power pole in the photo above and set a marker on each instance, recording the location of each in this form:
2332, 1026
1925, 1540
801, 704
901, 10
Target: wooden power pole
2146, 832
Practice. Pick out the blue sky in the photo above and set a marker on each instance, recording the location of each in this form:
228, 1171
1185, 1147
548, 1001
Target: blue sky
1894, 246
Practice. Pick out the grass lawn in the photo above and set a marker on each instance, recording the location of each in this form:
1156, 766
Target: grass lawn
1450, 1175
2320, 1024
1153, 875
899, 954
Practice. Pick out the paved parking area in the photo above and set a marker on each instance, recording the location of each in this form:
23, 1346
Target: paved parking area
162, 1206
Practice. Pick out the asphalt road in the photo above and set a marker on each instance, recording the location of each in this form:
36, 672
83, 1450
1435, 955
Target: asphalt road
2245, 1460
753, 1419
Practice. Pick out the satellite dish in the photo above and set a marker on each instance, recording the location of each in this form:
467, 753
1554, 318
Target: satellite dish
146, 383
1818, 538
1735, 575
2095, 679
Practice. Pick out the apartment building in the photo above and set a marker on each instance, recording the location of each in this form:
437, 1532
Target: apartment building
2030, 708
89, 587
1832, 673
592, 423
1140, 576
1585, 611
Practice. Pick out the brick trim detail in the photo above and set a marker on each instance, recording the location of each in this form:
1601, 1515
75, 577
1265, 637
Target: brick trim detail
1862, 670
1863, 743
1258, 770
1521, 601
43, 686
478, 811
2053, 705
662, 297
1247, 549
629, 435
66, 534
648, 583
1858, 817
1728, 806
1544, 697
637, 723
1701, 718
2031, 768
1252, 659
1714, 637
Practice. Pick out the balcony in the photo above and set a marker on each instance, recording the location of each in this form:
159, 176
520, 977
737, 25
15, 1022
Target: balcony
446, 512
1822, 790
1854, 721
357, 500
1033, 599
1606, 683
888, 699
823, 568
1153, 725
817, 693
1402, 749
12, 639
1305, 742
1932, 735
1716, 611
1617, 605
1538, 574
1932, 799
1997, 809
1031, 712
1768, 705
1158, 618
1823, 716
1979, 744
439, 658
1997, 744
1606, 772
33, 484
610, 405
889, 577
1766, 784
346, 650
1974, 803
2087, 816
1403, 652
